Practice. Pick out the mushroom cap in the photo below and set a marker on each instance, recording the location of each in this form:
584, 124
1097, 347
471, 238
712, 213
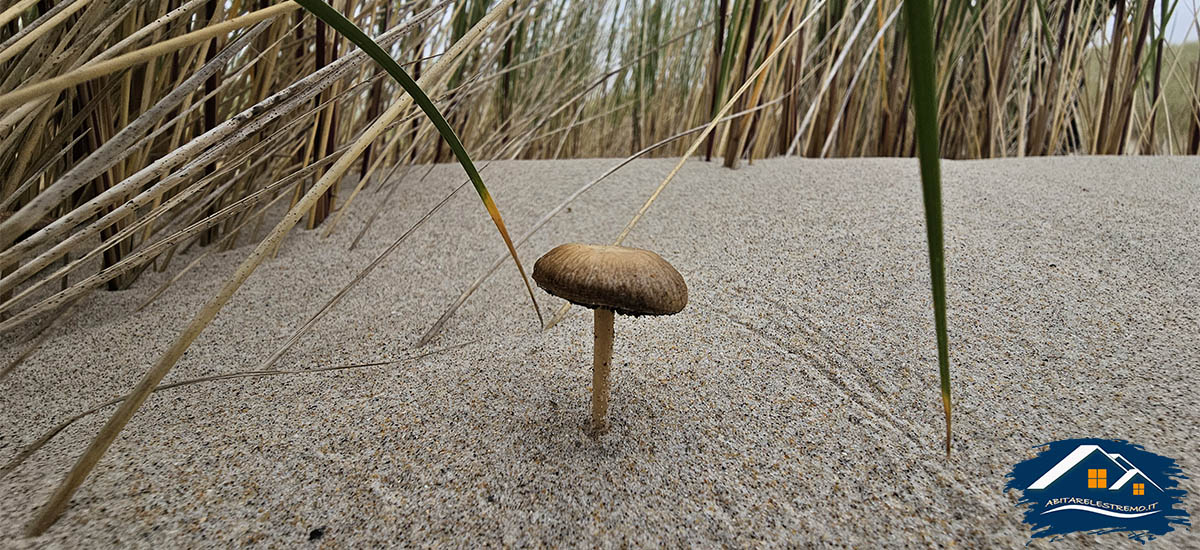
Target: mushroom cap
630, 281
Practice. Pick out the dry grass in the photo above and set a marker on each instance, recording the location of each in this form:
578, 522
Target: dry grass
130, 130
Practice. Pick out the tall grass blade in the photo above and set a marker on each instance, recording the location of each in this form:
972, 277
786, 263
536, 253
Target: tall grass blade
925, 102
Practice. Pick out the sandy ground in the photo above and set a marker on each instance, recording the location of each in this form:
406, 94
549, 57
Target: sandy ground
793, 402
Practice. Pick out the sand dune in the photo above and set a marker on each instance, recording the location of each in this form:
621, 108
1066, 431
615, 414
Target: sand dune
793, 401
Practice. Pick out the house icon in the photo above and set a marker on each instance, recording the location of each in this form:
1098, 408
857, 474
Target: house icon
1099, 486
1090, 467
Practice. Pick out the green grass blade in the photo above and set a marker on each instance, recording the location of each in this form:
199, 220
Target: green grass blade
924, 97
346, 28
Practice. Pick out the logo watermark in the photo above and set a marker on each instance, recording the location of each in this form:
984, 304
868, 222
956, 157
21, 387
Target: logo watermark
1100, 486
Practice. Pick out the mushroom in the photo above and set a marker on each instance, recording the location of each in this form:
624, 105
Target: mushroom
608, 280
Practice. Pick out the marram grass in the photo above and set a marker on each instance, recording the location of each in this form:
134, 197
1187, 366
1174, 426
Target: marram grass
54, 507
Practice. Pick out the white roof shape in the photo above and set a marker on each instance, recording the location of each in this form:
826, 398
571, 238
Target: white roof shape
1081, 452
1130, 474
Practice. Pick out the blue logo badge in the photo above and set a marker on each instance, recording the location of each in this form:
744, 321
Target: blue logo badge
1100, 486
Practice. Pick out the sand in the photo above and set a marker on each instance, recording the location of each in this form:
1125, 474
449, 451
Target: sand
793, 402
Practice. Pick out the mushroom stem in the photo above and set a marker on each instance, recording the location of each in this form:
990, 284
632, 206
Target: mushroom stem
601, 363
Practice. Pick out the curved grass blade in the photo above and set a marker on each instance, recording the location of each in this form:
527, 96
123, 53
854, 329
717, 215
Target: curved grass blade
924, 94
346, 28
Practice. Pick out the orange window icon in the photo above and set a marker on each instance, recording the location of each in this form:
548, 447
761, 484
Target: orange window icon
1139, 488
1098, 479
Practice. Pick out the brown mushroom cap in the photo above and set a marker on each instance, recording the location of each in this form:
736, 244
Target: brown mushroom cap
630, 281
